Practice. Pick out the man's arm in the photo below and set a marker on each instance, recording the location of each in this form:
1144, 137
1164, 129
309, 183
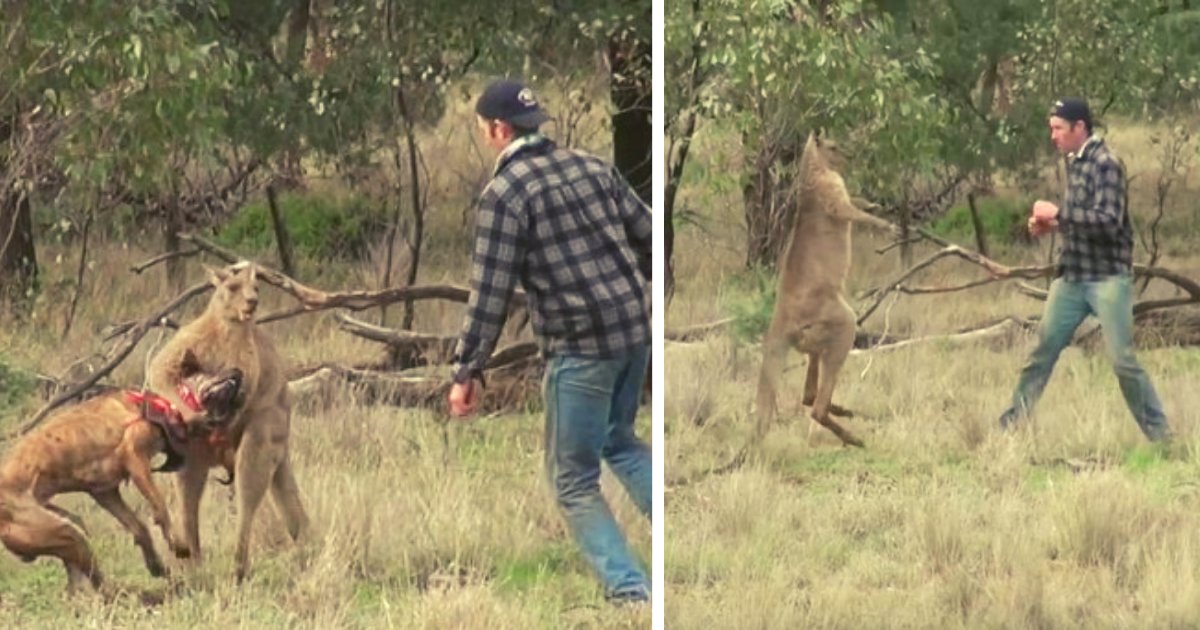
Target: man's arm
495, 269
1105, 216
638, 223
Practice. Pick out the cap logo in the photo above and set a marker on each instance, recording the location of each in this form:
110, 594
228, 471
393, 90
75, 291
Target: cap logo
526, 97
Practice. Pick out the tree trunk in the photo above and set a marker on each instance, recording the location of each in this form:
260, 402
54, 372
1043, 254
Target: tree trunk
172, 226
980, 236
629, 87
769, 204
283, 240
18, 259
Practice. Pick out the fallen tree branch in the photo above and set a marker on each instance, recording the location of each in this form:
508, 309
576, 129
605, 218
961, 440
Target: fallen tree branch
400, 339
444, 345
697, 332
996, 330
996, 269
999, 272
315, 299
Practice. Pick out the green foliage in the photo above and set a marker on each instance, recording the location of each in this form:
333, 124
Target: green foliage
752, 305
16, 386
321, 227
924, 93
1001, 219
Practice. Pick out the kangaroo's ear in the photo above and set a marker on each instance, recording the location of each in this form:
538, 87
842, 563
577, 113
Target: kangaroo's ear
216, 276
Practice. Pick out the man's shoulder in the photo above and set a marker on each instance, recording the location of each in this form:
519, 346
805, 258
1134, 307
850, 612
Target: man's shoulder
532, 172
564, 157
1104, 156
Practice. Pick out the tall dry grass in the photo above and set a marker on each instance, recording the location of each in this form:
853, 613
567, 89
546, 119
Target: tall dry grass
943, 521
417, 522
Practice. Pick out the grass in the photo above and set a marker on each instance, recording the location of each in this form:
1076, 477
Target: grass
416, 523
943, 521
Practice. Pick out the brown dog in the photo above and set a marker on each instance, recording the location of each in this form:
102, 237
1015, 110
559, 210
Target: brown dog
93, 447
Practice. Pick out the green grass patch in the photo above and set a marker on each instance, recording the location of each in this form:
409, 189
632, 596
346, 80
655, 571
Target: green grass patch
547, 563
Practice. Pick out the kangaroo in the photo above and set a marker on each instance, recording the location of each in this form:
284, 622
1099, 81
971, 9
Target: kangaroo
255, 440
811, 312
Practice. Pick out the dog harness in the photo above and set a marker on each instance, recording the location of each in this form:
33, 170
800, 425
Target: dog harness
160, 412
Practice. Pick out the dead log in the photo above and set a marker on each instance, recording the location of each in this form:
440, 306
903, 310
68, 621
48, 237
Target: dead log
400, 341
1004, 330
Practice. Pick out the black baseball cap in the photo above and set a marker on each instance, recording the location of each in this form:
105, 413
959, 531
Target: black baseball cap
1072, 110
512, 102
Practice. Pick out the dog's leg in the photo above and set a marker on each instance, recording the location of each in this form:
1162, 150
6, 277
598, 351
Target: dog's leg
831, 360
138, 466
259, 456
30, 530
190, 484
111, 501
287, 497
70, 516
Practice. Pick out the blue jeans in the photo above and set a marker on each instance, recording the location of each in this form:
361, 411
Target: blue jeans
590, 408
1111, 301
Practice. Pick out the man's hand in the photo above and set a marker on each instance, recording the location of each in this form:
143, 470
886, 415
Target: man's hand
1044, 211
464, 398
1038, 227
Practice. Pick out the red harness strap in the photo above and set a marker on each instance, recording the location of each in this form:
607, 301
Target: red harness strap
164, 407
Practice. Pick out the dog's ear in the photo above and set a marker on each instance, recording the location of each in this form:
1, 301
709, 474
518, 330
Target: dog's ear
189, 365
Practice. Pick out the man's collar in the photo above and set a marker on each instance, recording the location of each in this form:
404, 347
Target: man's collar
1086, 150
515, 146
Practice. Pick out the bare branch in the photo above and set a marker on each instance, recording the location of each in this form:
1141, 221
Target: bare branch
315, 299
699, 331
161, 258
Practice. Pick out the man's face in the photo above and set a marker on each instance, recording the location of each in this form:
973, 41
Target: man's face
495, 133
1068, 137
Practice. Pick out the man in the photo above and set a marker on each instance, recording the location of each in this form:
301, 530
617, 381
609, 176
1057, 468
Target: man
579, 240
1094, 274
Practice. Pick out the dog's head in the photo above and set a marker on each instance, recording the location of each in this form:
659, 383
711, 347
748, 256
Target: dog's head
219, 393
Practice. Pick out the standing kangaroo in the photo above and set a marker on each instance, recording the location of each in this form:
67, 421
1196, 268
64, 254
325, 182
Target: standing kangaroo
255, 440
811, 313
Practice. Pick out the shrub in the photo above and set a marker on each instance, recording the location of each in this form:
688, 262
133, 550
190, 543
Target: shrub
1002, 219
15, 387
321, 227
754, 304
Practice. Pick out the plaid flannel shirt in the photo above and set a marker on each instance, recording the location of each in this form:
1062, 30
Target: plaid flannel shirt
1097, 235
577, 237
